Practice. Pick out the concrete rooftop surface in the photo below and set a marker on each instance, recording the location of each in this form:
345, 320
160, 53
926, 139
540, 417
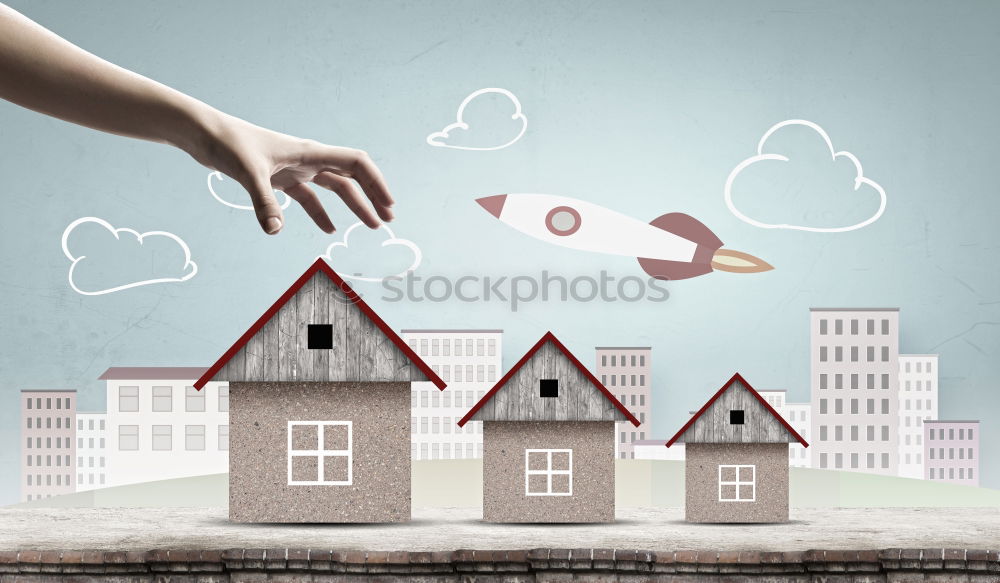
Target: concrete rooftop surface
448, 529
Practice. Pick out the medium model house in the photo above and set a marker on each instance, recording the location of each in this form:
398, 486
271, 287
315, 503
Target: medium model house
736, 464
549, 441
319, 409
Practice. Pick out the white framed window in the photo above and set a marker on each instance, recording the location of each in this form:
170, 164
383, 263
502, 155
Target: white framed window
162, 437
320, 453
548, 472
223, 438
163, 399
128, 399
737, 483
194, 437
128, 437
224, 399
194, 400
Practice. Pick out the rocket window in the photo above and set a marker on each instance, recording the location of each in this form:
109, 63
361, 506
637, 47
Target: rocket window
320, 336
736, 416
548, 388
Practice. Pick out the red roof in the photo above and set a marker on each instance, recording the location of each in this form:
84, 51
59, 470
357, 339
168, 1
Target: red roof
320, 266
549, 337
753, 391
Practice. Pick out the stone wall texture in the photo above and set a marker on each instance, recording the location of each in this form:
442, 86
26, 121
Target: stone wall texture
514, 566
701, 482
258, 452
593, 446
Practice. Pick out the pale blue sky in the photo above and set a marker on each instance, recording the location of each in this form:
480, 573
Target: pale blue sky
643, 107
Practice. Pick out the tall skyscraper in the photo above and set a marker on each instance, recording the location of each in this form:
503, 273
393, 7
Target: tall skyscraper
471, 362
918, 403
626, 371
854, 373
48, 444
800, 417
91, 446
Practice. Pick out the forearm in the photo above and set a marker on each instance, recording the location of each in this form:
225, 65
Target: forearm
43, 72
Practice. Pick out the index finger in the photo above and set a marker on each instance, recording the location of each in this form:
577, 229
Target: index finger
361, 168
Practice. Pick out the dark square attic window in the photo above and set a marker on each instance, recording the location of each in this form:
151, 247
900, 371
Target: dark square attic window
736, 416
320, 336
548, 388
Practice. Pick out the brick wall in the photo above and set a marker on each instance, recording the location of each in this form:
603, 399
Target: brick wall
524, 566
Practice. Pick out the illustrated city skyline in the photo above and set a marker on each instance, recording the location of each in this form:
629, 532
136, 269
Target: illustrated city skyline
871, 409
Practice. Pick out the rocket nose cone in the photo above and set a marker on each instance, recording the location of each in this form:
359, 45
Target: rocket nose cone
493, 204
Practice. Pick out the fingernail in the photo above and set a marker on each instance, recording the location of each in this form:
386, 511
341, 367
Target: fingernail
272, 225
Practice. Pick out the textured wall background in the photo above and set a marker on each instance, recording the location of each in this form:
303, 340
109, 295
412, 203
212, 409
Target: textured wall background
258, 434
593, 498
641, 106
701, 487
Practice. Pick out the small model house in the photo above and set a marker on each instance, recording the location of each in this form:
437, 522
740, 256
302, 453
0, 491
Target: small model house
736, 458
549, 441
319, 391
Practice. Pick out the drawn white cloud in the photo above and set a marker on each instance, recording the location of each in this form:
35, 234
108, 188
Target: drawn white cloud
442, 138
243, 207
391, 240
125, 236
859, 180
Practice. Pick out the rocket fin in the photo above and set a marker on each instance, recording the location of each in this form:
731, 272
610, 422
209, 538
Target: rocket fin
693, 230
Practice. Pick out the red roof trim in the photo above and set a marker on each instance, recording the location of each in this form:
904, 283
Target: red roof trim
549, 337
320, 265
753, 391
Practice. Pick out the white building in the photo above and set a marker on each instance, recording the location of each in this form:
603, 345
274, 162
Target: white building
470, 361
799, 417
159, 427
626, 371
854, 371
91, 443
918, 402
656, 449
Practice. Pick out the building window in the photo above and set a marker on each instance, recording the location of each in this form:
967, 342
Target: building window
319, 336
548, 472
163, 399
194, 437
128, 399
548, 387
162, 437
822, 326
224, 399
736, 417
194, 400
223, 438
737, 483
885, 327
128, 437
320, 453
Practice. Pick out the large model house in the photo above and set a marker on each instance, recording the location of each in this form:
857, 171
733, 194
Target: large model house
549, 440
736, 464
319, 415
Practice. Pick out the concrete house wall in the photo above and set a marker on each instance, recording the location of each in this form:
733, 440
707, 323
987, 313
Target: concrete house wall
569, 477
504, 471
292, 408
380, 454
701, 482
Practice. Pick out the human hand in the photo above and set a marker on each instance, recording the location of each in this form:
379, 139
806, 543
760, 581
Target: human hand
262, 160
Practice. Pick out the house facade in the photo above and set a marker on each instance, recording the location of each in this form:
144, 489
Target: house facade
736, 458
319, 409
951, 451
159, 427
549, 440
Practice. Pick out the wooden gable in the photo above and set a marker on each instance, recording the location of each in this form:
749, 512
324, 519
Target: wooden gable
718, 420
276, 348
579, 396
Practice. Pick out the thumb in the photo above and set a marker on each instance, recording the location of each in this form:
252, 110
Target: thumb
268, 211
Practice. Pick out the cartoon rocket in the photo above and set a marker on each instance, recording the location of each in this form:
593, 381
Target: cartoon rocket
673, 246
